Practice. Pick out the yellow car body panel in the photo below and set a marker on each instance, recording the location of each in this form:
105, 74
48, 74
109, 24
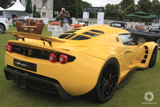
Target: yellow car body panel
81, 75
72, 76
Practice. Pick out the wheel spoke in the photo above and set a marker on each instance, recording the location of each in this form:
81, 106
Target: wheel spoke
114, 71
108, 89
112, 81
102, 92
111, 67
113, 76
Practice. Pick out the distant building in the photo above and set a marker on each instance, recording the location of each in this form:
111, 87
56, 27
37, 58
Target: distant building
45, 7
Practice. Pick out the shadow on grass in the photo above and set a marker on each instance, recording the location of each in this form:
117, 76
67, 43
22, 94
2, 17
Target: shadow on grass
47, 99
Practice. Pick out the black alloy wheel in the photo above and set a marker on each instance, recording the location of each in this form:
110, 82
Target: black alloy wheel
107, 82
153, 58
1, 28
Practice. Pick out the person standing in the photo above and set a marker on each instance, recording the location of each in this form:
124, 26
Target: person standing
64, 16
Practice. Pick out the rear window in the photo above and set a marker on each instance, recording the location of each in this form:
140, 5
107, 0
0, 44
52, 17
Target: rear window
116, 24
91, 34
71, 31
70, 36
97, 31
63, 36
78, 29
80, 37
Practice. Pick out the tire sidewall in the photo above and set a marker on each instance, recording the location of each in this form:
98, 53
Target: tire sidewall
152, 65
1, 25
102, 100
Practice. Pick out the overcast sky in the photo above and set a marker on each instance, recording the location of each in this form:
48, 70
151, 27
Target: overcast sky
104, 2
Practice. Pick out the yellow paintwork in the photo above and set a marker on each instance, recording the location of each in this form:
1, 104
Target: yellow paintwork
81, 75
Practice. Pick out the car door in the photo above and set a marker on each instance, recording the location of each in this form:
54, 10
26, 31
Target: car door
131, 49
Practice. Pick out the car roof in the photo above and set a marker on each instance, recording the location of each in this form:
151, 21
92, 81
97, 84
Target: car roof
91, 32
120, 22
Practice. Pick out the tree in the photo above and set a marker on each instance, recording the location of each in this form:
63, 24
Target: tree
109, 10
86, 4
6, 3
131, 9
91, 14
155, 7
112, 11
80, 8
75, 7
125, 3
76, 10
145, 5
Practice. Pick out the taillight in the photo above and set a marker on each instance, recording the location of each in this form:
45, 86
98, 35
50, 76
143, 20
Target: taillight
6, 47
53, 57
63, 58
9, 48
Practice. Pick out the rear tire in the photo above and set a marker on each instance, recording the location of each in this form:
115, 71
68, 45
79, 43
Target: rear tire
153, 58
2, 28
107, 82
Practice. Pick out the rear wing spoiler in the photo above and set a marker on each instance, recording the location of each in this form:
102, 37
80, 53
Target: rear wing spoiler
23, 35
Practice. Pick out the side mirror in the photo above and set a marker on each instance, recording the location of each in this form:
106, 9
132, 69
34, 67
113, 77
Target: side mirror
141, 41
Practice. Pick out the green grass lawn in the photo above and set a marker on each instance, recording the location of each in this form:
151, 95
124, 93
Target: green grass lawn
130, 95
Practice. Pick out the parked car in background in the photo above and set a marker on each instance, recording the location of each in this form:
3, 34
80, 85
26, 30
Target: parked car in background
152, 34
149, 35
3, 25
22, 18
154, 29
15, 17
83, 21
119, 25
126, 21
56, 23
76, 23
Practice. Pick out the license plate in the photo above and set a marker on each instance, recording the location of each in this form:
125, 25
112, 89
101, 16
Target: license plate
25, 65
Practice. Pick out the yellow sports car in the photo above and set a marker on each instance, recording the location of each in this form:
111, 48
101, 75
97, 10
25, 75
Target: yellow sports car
93, 60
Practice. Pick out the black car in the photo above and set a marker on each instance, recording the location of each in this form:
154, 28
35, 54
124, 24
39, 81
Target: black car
22, 18
148, 35
153, 34
119, 25
157, 30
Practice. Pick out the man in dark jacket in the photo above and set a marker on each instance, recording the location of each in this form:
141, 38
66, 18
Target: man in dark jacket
64, 16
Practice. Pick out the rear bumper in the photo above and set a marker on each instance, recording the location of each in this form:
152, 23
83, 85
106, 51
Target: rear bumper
33, 81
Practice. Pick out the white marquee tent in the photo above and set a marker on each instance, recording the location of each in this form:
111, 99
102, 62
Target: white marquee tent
1, 9
17, 9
